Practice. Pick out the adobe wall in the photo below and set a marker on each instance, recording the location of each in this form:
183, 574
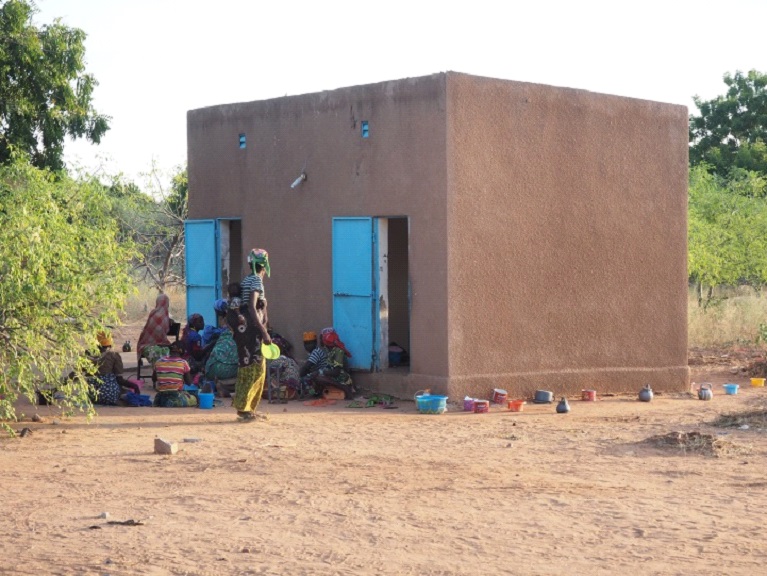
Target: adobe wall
398, 171
567, 245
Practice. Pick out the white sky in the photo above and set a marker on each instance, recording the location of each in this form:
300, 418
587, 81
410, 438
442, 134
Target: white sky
156, 59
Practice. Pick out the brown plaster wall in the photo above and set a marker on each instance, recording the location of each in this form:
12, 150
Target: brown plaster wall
567, 239
398, 171
547, 226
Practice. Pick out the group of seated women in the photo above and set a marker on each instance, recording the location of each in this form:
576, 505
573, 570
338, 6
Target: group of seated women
205, 353
197, 341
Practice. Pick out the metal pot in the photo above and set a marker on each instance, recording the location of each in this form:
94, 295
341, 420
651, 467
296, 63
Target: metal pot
705, 392
645, 394
543, 397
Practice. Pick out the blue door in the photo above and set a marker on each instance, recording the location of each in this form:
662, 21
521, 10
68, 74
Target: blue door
354, 291
203, 282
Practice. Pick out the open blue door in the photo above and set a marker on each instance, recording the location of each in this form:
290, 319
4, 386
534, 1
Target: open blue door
202, 266
354, 292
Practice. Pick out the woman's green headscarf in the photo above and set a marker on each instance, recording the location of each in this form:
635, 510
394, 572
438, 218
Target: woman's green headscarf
259, 256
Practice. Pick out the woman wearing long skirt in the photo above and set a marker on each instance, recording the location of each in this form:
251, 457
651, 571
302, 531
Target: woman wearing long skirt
248, 325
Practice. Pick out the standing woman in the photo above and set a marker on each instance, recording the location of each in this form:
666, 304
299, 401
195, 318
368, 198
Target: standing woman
247, 319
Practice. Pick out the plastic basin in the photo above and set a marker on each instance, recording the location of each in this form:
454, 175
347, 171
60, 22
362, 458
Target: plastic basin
431, 404
516, 405
730, 389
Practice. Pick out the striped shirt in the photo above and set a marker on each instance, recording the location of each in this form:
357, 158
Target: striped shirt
170, 372
250, 284
318, 357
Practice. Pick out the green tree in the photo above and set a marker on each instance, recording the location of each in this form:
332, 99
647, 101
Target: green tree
63, 277
727, 219
45, 94
731, 130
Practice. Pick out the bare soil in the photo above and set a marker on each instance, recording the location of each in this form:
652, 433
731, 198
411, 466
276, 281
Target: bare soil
673, 486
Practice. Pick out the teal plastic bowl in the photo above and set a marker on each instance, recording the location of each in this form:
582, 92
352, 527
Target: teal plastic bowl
730, 389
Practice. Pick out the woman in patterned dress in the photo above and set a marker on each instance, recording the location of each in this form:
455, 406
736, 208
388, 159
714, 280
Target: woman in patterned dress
247, 319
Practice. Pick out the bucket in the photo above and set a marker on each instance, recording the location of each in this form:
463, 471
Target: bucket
516, 405
589, 395
468, 404
757, 382
481, 406
431, 403
206, 399
730, 389
499, 396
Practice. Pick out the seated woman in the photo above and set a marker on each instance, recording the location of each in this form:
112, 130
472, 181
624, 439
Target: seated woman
106, 384
210, 334
197, 341
191, 339
222, 361
155, 332
110, 362
325, 365
169, 375
286, 348
284, 373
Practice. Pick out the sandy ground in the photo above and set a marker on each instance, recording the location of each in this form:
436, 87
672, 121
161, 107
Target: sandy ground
337, 490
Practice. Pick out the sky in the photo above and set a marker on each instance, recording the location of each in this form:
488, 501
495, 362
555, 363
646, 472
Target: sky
157, 59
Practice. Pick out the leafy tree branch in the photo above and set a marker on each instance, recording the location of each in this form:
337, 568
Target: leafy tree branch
63, 278
45, 93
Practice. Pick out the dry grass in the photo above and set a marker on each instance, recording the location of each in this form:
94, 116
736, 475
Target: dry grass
142, 301
733, 318
753, 419
698, 443
137, 308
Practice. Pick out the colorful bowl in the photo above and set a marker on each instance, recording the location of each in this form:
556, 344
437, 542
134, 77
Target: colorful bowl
270, 351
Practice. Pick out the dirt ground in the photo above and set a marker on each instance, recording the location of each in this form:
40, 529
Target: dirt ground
332, 490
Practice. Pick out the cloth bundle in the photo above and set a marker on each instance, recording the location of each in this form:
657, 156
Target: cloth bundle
135, 400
